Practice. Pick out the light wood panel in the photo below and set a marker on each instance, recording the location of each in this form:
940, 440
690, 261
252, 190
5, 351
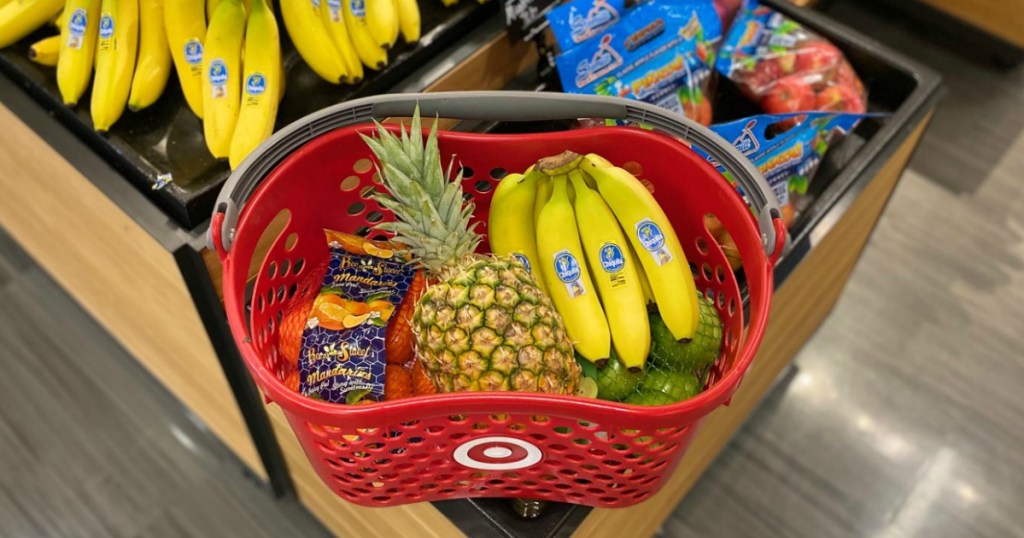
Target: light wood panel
1003, 18
798, 308
490, 68
118, 273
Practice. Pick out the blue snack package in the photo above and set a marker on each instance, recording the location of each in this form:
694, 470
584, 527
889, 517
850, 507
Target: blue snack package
646, 31
576, 21
790, 159
342, 355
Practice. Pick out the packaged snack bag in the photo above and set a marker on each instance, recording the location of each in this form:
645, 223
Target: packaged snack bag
576, 21
786, 67
788, 160
342, 356
660, 53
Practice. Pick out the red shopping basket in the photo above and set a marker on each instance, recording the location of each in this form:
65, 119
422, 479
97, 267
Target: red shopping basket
495, 444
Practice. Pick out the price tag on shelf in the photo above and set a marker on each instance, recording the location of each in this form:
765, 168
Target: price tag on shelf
526, 18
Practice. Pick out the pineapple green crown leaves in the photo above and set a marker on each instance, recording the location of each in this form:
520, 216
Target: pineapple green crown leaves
431, 217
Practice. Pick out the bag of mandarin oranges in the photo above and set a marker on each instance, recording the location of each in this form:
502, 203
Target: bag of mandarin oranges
346, 337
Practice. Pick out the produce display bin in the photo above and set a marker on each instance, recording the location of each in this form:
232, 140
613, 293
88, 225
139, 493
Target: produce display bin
161, 149
63, 186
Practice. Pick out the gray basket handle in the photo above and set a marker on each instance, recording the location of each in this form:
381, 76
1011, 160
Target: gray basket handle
490, 106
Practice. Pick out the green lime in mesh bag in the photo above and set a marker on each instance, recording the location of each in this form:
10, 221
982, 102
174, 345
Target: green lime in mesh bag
678, 386
649, 397
614, 381
695, 355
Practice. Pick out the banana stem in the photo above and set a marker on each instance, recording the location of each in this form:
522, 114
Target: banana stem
559, 164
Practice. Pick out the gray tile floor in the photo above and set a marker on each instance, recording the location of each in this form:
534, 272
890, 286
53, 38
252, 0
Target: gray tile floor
902, 420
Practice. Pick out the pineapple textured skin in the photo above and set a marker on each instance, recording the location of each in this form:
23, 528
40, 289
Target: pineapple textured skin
490, 328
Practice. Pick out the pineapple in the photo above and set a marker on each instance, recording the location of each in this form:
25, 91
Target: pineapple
482, 324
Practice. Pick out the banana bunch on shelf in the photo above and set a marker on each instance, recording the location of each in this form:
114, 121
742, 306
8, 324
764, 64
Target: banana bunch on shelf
229, 69
338, 38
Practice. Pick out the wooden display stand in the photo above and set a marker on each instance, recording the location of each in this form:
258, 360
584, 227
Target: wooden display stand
1001, 18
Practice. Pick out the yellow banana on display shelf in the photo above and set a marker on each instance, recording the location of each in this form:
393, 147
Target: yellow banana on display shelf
22, 17
261, 80
409, 20
382, 21
614, 273
655, 241
302, 19
77, 49
510, 225
370, 53
222, 76
334, 20
46, 51
115, 61
185, 26
564, 266
154, 63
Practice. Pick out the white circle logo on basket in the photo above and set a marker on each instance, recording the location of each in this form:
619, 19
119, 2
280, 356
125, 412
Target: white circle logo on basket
106, 26
193, 52
497, 453
521, 258
611, 258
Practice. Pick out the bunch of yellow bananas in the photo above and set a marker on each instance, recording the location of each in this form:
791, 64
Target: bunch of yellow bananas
602, 248
337, 38
122, 41
126, 49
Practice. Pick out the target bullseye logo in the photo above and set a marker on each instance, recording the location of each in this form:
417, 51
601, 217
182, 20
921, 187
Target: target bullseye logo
497, 453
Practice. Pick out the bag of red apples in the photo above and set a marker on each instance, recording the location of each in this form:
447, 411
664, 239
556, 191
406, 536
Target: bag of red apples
786, 67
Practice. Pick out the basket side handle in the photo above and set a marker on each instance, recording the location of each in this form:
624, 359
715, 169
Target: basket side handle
492, 106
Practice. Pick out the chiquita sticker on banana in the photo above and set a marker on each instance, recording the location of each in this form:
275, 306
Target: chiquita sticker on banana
612, 262
76, 28
653, 240
568, 270
218, 79
521, 258
255, 85
194, 52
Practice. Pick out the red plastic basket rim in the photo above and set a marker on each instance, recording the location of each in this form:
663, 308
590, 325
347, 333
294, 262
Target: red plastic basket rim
539, 403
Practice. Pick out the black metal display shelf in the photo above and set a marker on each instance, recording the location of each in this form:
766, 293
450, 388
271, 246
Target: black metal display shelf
165, 141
